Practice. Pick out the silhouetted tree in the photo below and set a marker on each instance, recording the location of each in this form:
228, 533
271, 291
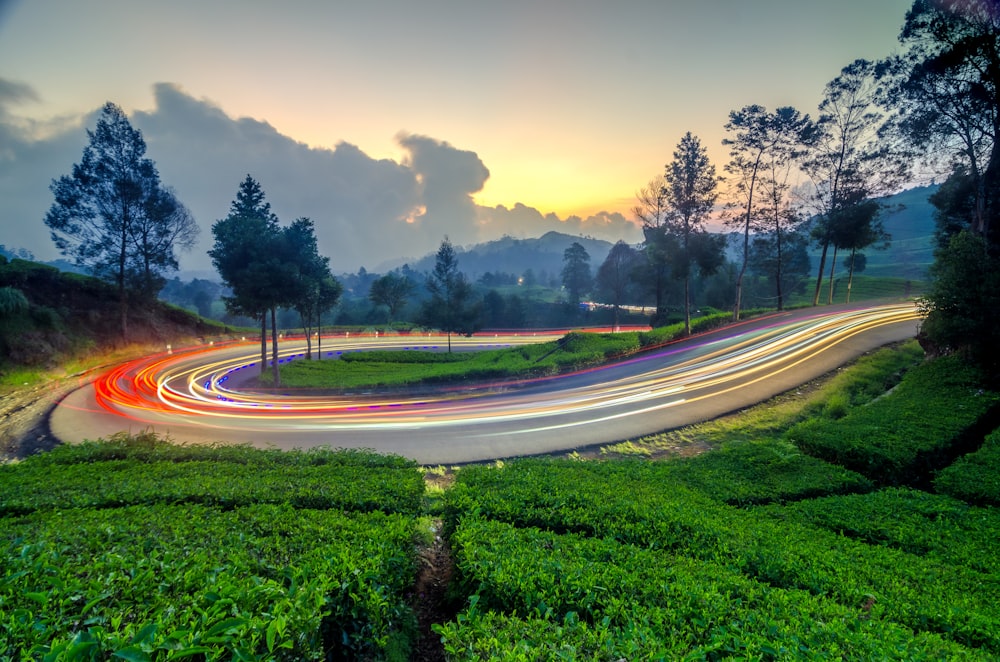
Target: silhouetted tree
616, 275
449, 307
651, 211
313, 288
112, 215
945, 89
762, 150
391, 290
576, 276
243, 254
848, 162
691, 185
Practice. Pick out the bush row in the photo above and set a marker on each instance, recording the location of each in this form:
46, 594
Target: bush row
930, 525
262, 582
902, 438
116, 483
625, 502
151, 447
755, 472
600, 599
975, 477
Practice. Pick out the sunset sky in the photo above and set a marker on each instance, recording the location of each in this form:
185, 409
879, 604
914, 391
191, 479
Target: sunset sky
557, 107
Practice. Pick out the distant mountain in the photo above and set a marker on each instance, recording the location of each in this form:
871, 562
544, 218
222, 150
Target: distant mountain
543, 255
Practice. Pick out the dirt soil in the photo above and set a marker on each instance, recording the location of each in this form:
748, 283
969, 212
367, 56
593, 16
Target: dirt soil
24, 418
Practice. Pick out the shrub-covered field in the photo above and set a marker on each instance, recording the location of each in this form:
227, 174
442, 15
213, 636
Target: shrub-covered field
911, 432
136, 549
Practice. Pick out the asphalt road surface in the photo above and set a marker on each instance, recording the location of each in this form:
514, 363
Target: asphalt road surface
198, 396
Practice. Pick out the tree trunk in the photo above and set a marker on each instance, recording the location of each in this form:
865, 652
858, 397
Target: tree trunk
781, 295
833, 269
850, 276
819, 275
687, 305
274, 347
263, 342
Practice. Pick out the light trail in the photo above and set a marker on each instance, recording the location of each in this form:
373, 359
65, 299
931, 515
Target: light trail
201, 390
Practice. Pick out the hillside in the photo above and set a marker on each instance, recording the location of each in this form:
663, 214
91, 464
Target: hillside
543, 255
70, 314
908, 218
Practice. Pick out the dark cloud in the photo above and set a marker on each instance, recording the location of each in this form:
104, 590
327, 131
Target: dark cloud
367, 211
448, 178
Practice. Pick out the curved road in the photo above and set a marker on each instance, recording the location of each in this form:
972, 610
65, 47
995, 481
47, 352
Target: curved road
195, 396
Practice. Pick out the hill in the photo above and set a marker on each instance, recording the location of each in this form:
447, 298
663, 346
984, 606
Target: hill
51, 316
543, 255
908, 217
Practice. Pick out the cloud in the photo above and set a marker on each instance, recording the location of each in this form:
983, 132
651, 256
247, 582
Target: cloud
366, 211
448, 178
522, 221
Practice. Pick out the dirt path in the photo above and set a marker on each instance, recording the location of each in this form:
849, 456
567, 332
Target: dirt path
24, 418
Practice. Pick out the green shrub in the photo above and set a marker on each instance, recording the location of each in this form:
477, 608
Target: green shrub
974, 478
903, 437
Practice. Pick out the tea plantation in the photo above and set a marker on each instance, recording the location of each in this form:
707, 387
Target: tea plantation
868, 534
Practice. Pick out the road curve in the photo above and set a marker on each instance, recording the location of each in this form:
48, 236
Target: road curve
195, 396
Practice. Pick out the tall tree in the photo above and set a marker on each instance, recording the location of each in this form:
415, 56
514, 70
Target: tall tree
312, 287
449, 307
113, 216
391, 290
945, 89
691, 191
576, 275
947, 98
783, 260
242, 252
651, 211
848, 162
615, 275
763, 146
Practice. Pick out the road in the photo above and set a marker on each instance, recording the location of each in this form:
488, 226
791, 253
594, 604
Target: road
197, 396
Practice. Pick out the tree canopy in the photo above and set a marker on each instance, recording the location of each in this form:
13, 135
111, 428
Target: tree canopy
113, 216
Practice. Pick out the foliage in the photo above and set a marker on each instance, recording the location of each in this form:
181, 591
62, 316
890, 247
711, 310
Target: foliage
975, 477
212, 478
916, 522
259, 582
609, 600
392, 291
139, 549
576, 276
690, 184
848, 162
945, 88
449, 308
616, 276
113, 217
962, 306
12, 302
629, 503
763, 148
903, 436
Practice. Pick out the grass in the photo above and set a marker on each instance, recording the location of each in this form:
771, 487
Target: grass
863, 381
381, 369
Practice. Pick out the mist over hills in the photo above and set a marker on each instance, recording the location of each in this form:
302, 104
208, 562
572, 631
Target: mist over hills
515, 256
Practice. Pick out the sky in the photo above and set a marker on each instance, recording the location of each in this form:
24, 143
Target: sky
394, 123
